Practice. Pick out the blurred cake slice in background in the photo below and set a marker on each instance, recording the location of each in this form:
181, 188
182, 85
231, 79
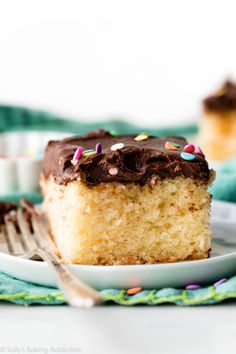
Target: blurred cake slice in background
218, 124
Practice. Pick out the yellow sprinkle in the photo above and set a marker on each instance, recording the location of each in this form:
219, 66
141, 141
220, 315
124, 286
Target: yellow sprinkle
141, 137
89, 153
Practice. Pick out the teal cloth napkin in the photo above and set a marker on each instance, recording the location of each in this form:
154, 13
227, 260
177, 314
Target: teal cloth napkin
23, 293
224, 188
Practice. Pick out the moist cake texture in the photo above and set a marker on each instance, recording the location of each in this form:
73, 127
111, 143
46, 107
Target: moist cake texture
218, 124
138, 199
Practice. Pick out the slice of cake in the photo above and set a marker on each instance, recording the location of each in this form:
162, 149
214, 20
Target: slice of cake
127, 199
218, 125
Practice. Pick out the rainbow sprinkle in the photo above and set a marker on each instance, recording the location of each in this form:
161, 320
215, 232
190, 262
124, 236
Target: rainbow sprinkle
117, 146
114, 132
189, 148
219, 282
89, 153
90, 150
198, 151
98, 148
193, 287
134, 291
77, 155
113, 171
141, 137
187, 156
171, 146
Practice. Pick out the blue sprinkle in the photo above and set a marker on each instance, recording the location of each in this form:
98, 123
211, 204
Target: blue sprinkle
187, 156
87, 151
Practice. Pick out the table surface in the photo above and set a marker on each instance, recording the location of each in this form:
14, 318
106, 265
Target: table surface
115, 329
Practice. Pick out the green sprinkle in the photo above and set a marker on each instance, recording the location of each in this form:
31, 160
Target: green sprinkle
114, 132
87, 151
176, 145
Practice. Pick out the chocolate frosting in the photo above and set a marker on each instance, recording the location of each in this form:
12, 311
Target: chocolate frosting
223, 100
138, 161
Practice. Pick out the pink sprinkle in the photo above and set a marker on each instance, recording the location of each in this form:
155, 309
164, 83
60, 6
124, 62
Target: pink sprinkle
198, 151
219, 282
193, 287
98, 148
77, 156
189, 148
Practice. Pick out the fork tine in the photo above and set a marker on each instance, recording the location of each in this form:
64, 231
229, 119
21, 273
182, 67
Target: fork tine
29, 206
37, 232
77, 293
27, 237
4, 244
40, 230
13, 240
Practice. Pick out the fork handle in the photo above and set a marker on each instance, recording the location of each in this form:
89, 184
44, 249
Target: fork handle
75, 291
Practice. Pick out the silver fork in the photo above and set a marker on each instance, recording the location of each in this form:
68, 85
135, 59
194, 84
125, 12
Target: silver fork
28, 241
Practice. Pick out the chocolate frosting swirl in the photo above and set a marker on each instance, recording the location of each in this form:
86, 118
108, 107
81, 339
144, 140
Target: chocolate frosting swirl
222, 100
138, 161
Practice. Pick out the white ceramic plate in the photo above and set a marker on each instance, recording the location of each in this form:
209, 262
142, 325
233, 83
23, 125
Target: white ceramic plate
222, 263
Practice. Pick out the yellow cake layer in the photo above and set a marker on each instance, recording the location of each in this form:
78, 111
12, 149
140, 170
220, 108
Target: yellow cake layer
115, 223
218, 134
